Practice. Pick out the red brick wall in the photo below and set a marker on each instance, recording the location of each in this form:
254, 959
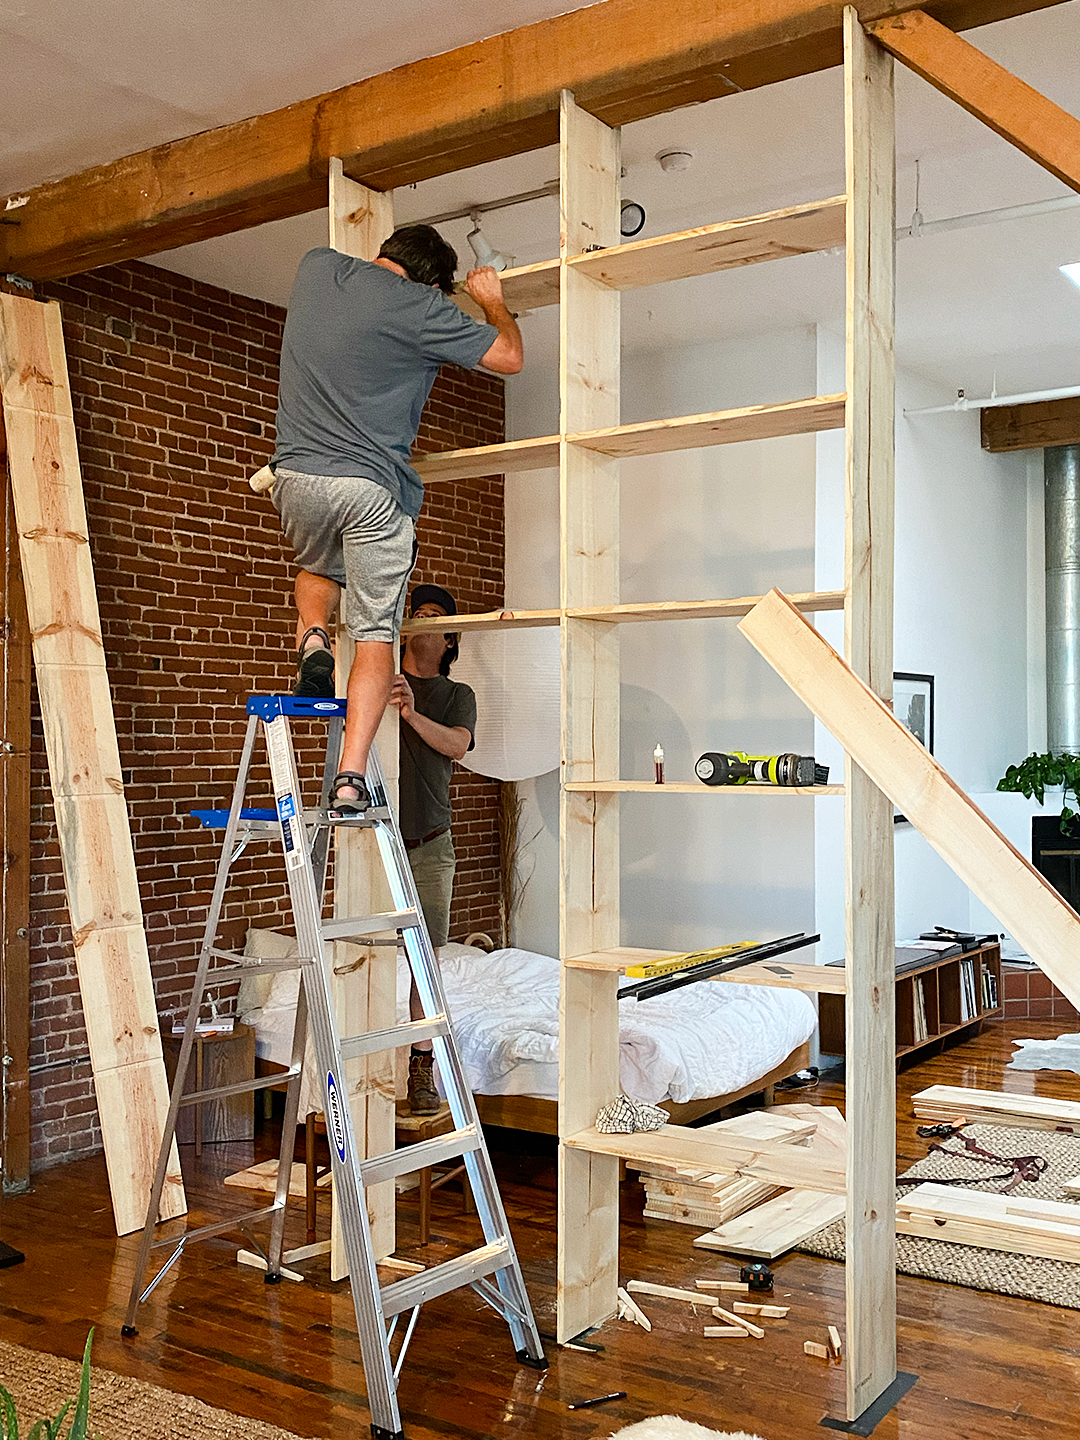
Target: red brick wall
1029, 994
174, 386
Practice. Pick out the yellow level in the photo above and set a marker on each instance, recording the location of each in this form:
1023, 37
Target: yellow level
651, 968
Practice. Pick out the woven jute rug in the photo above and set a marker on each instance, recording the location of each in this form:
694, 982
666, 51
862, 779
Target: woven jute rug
1055, 1281
120, 1408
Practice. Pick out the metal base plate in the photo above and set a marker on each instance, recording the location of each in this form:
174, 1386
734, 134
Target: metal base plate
867, 1422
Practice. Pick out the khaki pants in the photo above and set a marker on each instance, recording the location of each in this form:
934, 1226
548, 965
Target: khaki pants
433, 865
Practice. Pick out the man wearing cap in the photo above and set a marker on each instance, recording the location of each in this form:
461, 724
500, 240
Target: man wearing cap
438, 718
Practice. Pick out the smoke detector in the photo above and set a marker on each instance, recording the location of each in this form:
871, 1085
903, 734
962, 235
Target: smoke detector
675, 159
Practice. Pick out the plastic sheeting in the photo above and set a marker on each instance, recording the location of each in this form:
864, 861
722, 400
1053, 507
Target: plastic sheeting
516, 677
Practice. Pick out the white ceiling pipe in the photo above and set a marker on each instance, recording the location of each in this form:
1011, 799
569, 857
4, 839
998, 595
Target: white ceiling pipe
963, 403
988, 217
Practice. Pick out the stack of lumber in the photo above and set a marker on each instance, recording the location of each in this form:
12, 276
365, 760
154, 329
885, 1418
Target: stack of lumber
1030, 1112
1044, 1228
691, 1195
789, 1217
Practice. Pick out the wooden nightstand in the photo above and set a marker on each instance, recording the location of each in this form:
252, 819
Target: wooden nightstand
224, 1058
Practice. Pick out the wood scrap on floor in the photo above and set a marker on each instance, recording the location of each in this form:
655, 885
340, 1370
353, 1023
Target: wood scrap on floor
1046, 1228
689, 1195
748, 1325
628, 1310
264, 1177
1031, 1112
725, 1332
819, 1352
836, 1348
667, 1292
768, 1312
740, 1287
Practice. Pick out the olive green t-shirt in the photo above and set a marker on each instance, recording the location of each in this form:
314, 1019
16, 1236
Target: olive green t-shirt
424, 786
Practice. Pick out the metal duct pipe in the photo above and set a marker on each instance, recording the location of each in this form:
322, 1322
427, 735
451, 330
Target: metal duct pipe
1061, 473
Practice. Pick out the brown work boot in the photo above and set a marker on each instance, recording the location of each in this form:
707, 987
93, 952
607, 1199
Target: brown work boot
423, 1097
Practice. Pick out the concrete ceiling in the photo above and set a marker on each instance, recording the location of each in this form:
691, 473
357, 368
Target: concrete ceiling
973, 304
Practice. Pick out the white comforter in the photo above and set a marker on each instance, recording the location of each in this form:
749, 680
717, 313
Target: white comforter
703, 1040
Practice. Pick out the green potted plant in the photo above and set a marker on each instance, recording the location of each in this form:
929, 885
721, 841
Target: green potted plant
1039, 773
50, 1429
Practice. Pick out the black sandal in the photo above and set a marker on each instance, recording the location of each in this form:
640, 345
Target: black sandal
315, 669
346, 806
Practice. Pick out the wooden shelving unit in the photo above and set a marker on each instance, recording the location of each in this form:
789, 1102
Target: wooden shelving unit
593, 269
941, 986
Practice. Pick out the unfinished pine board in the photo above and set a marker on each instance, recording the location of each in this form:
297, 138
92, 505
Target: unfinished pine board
1045, 1228
588, 1217
264, 1177
771, 1160
508, 458
694, 787
822, 979
667, 1292
748, 1325
365, 976
870, 1272
111, 954
775, 1227
628, 1310
525, 287
489, 620
1033, 1112
798, 230
722, 1285
719, 427
766, 1312
1024, 903
1040, 129
652, 610
1072, 1187
725, 1332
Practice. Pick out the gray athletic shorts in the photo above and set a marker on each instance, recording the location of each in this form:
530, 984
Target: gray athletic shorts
354, 532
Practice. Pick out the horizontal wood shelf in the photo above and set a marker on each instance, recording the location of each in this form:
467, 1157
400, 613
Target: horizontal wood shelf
719, 427
694, 787
540, 453
638, 611
792, 1165
704, 250
798, 230
648, 437
814, 979
488, 620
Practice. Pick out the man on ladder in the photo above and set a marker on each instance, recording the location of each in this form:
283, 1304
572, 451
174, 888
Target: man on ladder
363, 343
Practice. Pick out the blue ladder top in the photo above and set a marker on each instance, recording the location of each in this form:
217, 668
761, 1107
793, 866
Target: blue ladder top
270, 707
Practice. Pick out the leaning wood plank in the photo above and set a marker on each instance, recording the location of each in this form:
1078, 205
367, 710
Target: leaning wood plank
799, 230
1037, 1112
364, 975
721, 427
1043, 131
775, 1227
628, 1310
1024, 903
111, 954
764, 1160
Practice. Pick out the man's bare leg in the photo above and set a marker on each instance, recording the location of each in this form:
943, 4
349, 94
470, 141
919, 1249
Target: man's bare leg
316, 601
370, 679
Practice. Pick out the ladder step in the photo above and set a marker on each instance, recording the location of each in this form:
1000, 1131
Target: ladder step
242, 1087
223, 1227
419, 1156
394, 1037
416, 1289
353, 928
244, 963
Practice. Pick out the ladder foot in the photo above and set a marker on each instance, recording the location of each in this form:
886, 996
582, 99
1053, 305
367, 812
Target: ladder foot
379, 1432
534, 1362
271, 1279
128, 1330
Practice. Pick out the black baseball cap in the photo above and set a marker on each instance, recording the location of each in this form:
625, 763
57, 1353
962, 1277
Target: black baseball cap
432, 595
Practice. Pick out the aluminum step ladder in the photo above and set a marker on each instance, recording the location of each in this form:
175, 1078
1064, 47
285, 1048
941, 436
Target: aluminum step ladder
492, 1270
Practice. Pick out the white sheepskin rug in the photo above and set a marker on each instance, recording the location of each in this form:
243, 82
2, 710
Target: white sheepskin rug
670, 1427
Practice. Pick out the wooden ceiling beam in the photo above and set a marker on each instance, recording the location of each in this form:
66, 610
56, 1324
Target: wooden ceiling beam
1044, 131
624, 59
1031, 427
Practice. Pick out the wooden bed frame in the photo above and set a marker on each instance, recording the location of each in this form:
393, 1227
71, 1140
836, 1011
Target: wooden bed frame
526, 1112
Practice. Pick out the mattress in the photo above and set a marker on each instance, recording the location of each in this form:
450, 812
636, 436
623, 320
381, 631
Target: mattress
703, 1040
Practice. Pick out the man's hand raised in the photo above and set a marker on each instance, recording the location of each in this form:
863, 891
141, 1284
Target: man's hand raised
485, 287
506, 355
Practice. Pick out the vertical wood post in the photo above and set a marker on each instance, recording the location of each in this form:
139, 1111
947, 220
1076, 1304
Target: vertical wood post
870, 937
365, 976
15, 853
588, 1227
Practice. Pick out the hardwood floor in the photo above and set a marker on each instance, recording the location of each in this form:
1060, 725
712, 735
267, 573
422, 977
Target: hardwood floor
989, 1366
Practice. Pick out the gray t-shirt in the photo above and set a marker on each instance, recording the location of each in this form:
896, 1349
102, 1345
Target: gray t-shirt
361, 350
424, 784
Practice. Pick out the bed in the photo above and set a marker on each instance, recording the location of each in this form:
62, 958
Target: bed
692, 1050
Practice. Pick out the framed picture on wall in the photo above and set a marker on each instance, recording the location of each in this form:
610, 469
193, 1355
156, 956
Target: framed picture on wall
913, 705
